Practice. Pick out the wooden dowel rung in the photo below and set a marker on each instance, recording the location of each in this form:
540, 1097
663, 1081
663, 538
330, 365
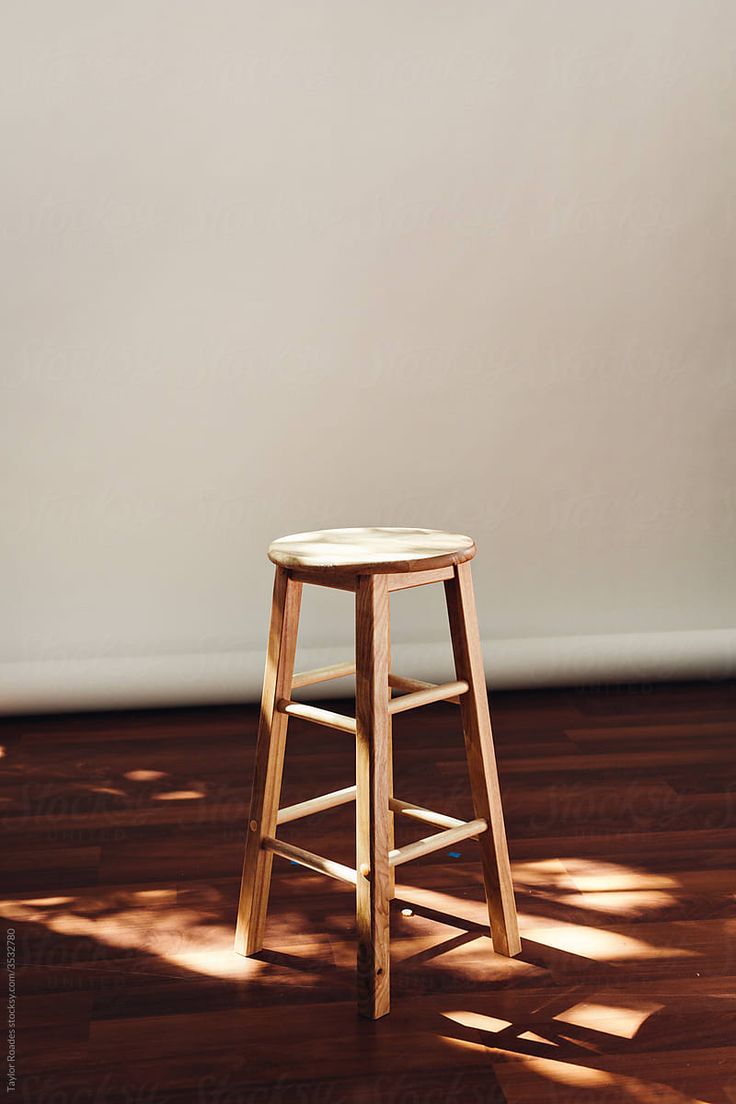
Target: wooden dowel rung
399, 682
436, 842
322, 674
319, 716
427, 696
308, 858
316, 805
426, 816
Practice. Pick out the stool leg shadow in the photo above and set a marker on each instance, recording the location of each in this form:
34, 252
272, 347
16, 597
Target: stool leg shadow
304, 964
471, 931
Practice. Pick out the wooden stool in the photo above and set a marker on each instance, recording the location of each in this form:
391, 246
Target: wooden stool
372, 563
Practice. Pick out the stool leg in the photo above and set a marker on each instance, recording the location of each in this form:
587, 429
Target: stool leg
372, 782
264, 802
390, 766
481, 757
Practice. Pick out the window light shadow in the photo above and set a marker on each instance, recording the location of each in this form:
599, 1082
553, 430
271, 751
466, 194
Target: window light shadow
576, 1039
587, 1047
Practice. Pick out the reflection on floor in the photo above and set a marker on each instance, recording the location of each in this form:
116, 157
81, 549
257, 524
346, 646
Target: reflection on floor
122, 844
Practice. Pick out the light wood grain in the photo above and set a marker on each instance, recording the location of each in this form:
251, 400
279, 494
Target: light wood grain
266, 789
366, 551
316, 805
406, 579
391, 838
313, 713
482, 760
325, 557
372, 830
335, 580
322, 674
424, 816
428, 695
309, 859
400, 682
425, 846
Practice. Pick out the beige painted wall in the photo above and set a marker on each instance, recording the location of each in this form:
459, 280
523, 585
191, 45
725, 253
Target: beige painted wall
275, 266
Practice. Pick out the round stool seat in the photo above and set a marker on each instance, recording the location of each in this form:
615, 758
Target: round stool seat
371, 551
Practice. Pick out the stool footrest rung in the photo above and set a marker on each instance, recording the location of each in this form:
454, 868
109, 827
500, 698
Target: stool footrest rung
425, 816
319, 716
316, 805
322, 674
308, 858
458, 830
399, 682
430, 693
426, 846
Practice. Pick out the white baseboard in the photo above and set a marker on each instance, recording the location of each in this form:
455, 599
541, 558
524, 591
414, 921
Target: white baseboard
221, 677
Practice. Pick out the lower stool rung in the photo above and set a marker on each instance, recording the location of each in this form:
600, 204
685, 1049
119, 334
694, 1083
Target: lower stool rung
426, 816
436, 842
400, 682
318, 716
308, 858
460, 830
426, 696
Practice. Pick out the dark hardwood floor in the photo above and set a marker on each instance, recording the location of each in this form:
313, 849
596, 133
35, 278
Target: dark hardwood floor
122, 840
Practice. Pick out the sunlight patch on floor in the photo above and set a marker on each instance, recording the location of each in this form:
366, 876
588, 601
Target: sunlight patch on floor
516, 1071
600, 944
464, 1044
223, 963
532, 1037
550, 873
38, 902
625, 902
565, 1073
614, 880
181, 937
613, 1020
458, 912
179, 795
476, 1020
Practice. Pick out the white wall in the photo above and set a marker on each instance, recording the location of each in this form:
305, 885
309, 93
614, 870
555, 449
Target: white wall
282, 265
